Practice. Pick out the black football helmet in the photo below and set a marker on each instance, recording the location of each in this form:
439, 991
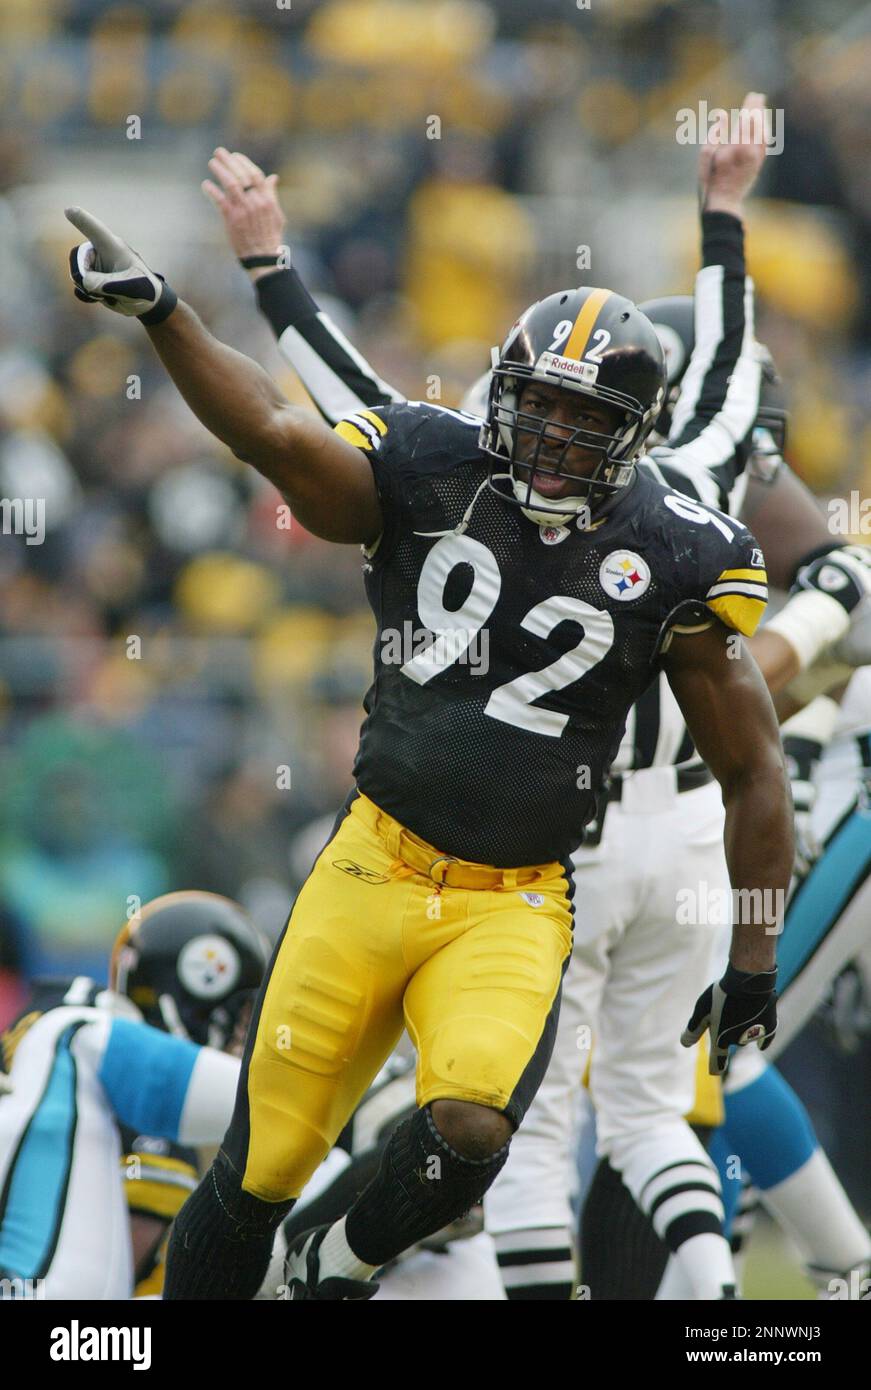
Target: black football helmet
190, 962
595, 344
673, 318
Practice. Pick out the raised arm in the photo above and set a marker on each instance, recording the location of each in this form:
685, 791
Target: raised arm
719, 396
337, 377
328, 483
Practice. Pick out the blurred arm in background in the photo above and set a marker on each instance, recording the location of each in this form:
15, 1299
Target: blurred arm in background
338, 379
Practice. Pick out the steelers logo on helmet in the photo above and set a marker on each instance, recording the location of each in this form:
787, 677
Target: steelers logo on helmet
191, 962
209, 966
624, 575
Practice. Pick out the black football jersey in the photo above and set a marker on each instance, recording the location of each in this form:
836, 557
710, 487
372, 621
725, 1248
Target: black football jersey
508, 654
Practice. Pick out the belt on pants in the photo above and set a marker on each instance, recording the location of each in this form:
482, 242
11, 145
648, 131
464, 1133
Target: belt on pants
443, 869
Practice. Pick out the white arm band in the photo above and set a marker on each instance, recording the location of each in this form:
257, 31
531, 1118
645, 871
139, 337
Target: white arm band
810, 622
816, 721
211, 1095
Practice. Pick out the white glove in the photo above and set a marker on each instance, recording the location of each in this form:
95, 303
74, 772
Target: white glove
854, 648
105, 270
844, 573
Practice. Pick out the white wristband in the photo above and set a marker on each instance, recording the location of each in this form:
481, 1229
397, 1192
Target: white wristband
810, 622
816, 721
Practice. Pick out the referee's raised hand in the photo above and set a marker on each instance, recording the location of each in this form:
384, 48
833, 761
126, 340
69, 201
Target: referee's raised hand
247, 200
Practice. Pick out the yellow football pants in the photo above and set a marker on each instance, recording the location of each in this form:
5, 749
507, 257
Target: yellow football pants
387, 932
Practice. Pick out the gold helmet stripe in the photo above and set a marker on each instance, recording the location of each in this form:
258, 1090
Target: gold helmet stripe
584, 324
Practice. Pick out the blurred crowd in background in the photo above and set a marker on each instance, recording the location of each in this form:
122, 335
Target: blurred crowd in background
181, 674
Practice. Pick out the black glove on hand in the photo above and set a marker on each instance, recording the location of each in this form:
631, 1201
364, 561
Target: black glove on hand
740, 1009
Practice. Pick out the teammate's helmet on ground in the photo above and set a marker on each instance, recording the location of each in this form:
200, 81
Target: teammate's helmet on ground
673, 318
190, 961
597, 345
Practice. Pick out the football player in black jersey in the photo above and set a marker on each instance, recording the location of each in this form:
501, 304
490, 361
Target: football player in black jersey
703, 463
442, 899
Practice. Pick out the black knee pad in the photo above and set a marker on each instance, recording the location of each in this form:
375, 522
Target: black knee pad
421, 1185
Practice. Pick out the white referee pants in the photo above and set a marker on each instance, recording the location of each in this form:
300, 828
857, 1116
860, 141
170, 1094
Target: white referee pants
635, 974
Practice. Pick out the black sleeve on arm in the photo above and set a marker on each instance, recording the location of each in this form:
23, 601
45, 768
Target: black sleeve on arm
336, 377
284, 300
723, 243
719, 400
708, 383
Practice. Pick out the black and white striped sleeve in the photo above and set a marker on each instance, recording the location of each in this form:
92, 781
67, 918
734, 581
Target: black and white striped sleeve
719, 398
337, 377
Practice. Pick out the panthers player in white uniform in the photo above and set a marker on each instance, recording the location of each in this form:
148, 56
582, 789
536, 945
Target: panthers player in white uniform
80, 1063
527, 1205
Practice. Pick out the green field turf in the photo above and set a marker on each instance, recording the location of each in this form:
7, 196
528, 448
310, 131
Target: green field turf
772, 1269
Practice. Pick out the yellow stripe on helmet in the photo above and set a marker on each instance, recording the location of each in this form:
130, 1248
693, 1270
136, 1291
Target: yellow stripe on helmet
579, 337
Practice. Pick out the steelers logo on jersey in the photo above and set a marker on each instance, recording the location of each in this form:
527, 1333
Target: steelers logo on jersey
624, 575
208, 966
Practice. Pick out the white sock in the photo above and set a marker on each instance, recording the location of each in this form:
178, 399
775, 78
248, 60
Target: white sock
706, 1260
674, 1285
812, 1207
673, 1180
337, 1259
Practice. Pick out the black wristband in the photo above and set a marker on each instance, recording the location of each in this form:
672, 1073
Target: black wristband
162, 309
723, 242
748, 982
279, 259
